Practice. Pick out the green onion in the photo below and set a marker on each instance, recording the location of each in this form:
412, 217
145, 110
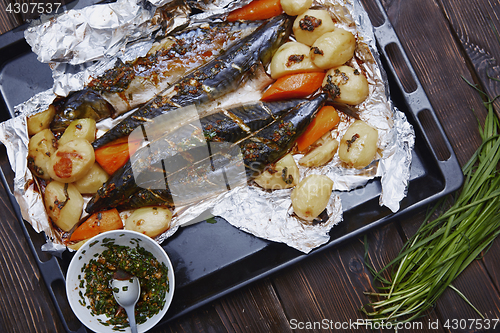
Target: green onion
443, 247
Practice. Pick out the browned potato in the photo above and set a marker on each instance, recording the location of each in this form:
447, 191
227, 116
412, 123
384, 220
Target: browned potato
284, 174
64, 204
333, 48
292, 57
150, 221
71, 161
311, 24
40, 121
40, 149
79, 129
358, 146
92, 181
346, 85
311, 196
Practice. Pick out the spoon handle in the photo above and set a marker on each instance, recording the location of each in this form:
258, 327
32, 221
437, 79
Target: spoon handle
131, 318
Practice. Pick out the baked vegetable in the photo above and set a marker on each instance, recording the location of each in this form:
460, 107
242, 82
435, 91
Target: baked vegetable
92, 181
326, 119
322, 154
71, 161
333, 48
291, 58
40, 121
150, 221
311, 196
114, 155
64, 204
294, 86
311, 24
346, 85
256, 10
295, 7
283, 174
79, 129
96, 224
40, 149
358, 146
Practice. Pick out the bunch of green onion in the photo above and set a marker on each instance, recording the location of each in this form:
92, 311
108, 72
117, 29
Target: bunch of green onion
443, 247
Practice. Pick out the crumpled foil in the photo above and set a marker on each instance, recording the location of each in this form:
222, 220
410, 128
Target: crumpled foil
262, 213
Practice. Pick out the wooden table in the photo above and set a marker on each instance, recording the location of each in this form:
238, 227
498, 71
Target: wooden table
445, 40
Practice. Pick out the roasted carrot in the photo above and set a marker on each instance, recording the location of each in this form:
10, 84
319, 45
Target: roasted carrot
114, 155
326, 119
97, 223
256, 10
294, 86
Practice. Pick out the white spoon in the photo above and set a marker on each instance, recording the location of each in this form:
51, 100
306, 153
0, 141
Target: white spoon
127, 292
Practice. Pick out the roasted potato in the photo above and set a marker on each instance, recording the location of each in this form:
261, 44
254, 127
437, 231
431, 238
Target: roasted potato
150, 221
284, 174
346, 85
295, 7
92, 181
40, 121
41, 147
311, 196
292, 57
358, 146
322, 154
311, 24
71, 161
79, 129
333, 48
64, 204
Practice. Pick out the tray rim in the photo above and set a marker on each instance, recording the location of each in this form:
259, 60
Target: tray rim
450, 169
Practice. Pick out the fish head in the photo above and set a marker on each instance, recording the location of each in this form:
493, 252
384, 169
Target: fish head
276, 32
78, 105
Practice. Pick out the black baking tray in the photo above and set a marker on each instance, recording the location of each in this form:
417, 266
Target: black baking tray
213, 259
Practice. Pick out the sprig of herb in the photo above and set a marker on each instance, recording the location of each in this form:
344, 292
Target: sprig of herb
443, 247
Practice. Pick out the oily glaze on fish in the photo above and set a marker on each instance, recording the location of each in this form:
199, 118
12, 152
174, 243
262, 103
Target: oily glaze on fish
255, 145
212, 80
134, 83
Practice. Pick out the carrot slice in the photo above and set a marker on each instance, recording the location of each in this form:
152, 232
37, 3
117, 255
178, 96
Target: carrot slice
326, 119
114, 155
294, 86
97, 223
256, 10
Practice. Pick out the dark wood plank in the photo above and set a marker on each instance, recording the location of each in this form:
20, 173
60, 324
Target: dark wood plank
8, 20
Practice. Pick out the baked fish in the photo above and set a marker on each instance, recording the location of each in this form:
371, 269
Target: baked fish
238, 144
130, 84
214, 79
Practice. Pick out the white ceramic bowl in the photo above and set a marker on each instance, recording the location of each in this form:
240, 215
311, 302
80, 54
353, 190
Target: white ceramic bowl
83, 256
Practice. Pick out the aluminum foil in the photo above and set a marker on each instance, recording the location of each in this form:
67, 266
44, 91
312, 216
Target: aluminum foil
262, 213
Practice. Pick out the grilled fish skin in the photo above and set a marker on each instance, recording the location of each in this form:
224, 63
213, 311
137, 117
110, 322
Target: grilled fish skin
230, 165
130, 84
212, 80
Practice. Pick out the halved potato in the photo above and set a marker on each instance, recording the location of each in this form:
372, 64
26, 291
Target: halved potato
40, 121
290, 58
358, 146
41, 147
333, 48
150, 221
311, 24
79, 129
311, 196
64, 204
71, 161
346, 85
284, 174
92, 181
320, 155
295, 7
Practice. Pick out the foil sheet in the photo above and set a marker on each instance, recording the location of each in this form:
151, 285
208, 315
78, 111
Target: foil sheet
262, 213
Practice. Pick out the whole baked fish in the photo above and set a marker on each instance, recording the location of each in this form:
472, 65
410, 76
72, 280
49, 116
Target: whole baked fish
130, 84
212, 80
258, 138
